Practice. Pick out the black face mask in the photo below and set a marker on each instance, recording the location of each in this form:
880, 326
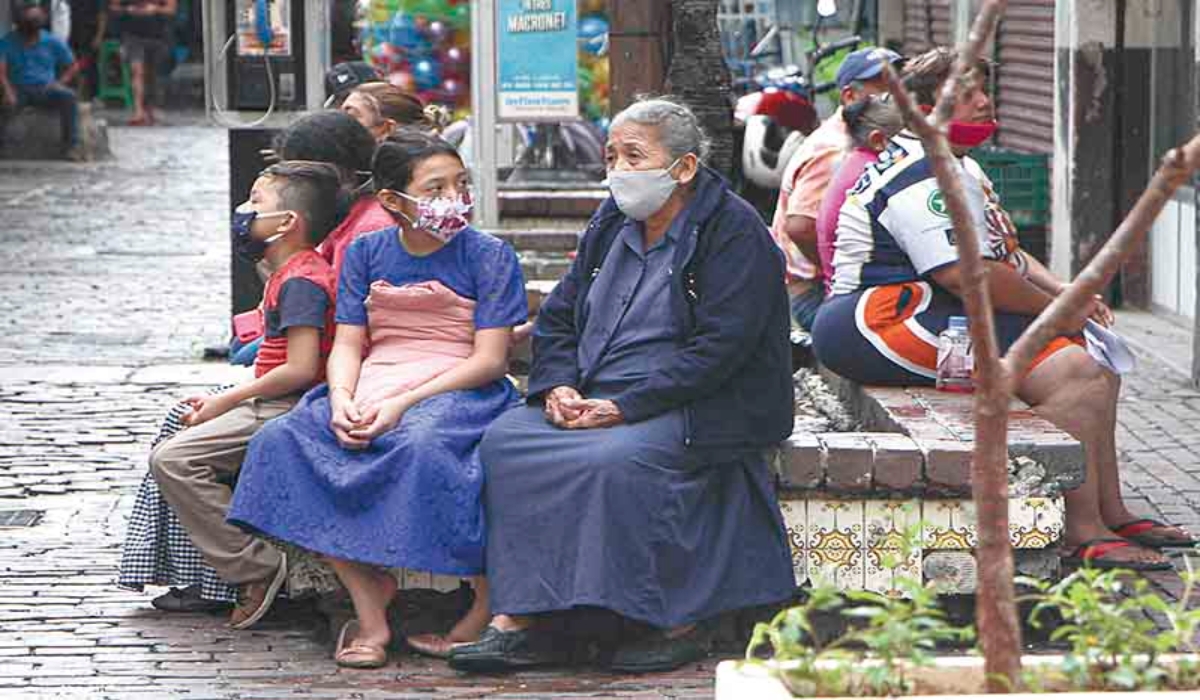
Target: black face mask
28, 26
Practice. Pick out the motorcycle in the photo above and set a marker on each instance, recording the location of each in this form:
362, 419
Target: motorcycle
771, 122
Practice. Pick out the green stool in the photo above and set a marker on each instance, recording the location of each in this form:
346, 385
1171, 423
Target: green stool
108, 89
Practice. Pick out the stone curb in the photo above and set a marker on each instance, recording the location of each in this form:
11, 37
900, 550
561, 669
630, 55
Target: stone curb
199, 373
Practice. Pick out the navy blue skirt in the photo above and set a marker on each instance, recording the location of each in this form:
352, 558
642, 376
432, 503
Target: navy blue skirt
627, 519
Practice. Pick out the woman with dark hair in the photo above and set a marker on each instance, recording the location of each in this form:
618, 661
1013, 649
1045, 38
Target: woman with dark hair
334, 137
381, 467
870, 122
157, 550
382, 108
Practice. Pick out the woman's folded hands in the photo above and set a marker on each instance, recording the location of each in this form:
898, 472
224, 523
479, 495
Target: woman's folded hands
567, 408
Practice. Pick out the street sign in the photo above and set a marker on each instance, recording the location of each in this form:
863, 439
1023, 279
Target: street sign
536, 60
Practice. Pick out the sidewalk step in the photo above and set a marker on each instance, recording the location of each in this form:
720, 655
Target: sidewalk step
543, 266
542, 241
550, 202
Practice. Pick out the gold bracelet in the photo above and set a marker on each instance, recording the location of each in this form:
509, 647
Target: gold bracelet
346, 389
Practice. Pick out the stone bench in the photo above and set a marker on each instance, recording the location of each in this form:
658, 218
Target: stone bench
33, 134
941, 425
848, 498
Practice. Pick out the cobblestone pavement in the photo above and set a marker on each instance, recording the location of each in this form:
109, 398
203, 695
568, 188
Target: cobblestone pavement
124, 261
1158, 427
112, 277
72, 445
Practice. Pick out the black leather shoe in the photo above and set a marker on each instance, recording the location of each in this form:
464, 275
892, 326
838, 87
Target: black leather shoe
187, 600
498, 651
658, 652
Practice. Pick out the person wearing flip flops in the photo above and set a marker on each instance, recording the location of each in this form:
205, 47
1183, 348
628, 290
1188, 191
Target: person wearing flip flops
380, 468
1142, 532
145, 27
897, 282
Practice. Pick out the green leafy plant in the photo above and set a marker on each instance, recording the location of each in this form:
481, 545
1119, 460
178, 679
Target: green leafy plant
808, 667
900, 634
1113, 643
893, 635
1102, 616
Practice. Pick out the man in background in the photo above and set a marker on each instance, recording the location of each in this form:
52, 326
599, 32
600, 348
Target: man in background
145, 27
35, 67
806, 177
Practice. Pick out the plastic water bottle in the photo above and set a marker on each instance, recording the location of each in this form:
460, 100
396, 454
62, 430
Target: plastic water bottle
955, 361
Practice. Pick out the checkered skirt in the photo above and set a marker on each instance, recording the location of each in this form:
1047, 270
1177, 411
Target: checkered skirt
157, 549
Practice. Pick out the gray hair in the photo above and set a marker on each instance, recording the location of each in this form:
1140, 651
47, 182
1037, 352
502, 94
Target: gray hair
871, 113
678, 129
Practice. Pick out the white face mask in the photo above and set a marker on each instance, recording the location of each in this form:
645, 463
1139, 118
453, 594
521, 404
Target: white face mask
641, 193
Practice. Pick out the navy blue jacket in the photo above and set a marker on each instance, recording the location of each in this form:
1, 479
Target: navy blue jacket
732, 372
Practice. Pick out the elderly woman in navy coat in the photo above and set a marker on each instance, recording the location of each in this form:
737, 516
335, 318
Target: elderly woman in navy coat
635, 480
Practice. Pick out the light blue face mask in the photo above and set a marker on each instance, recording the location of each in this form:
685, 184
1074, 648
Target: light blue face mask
641, 193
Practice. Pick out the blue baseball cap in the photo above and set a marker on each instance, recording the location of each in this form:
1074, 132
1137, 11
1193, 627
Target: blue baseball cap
864, 64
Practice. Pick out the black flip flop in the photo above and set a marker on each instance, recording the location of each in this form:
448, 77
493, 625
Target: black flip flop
1140, 531
1091, 554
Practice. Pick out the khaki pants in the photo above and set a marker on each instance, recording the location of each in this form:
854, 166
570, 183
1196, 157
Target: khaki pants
188, 467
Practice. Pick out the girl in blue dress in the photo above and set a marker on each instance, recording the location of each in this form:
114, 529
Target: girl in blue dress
380, 468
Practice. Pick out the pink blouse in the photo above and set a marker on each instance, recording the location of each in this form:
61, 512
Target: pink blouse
831, 204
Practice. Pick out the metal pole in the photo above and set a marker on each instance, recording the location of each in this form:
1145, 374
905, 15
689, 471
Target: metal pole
483, 112
212, 17
962, 21
1195, 29
316, 51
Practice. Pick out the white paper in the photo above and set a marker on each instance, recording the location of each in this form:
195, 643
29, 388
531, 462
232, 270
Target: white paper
1108, 348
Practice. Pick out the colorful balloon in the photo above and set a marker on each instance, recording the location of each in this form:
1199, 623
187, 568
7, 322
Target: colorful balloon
437, 32
427, 74
424, 47
593, 33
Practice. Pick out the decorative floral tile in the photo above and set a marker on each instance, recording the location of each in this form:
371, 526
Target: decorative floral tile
795, 512
886, 524
411, 578
444, 583
835, 546
949, 524
834, 525
1035, 523
839, 567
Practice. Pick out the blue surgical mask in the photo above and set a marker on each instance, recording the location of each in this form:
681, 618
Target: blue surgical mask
245, 245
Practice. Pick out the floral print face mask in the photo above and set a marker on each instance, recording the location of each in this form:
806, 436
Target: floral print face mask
441, 217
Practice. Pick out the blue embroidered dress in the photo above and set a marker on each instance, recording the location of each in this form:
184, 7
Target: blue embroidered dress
412, 497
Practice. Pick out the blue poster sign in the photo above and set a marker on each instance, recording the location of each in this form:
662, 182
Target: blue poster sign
536, 59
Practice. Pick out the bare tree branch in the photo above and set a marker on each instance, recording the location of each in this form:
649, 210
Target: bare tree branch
1176, 169
995, 378
996, 616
